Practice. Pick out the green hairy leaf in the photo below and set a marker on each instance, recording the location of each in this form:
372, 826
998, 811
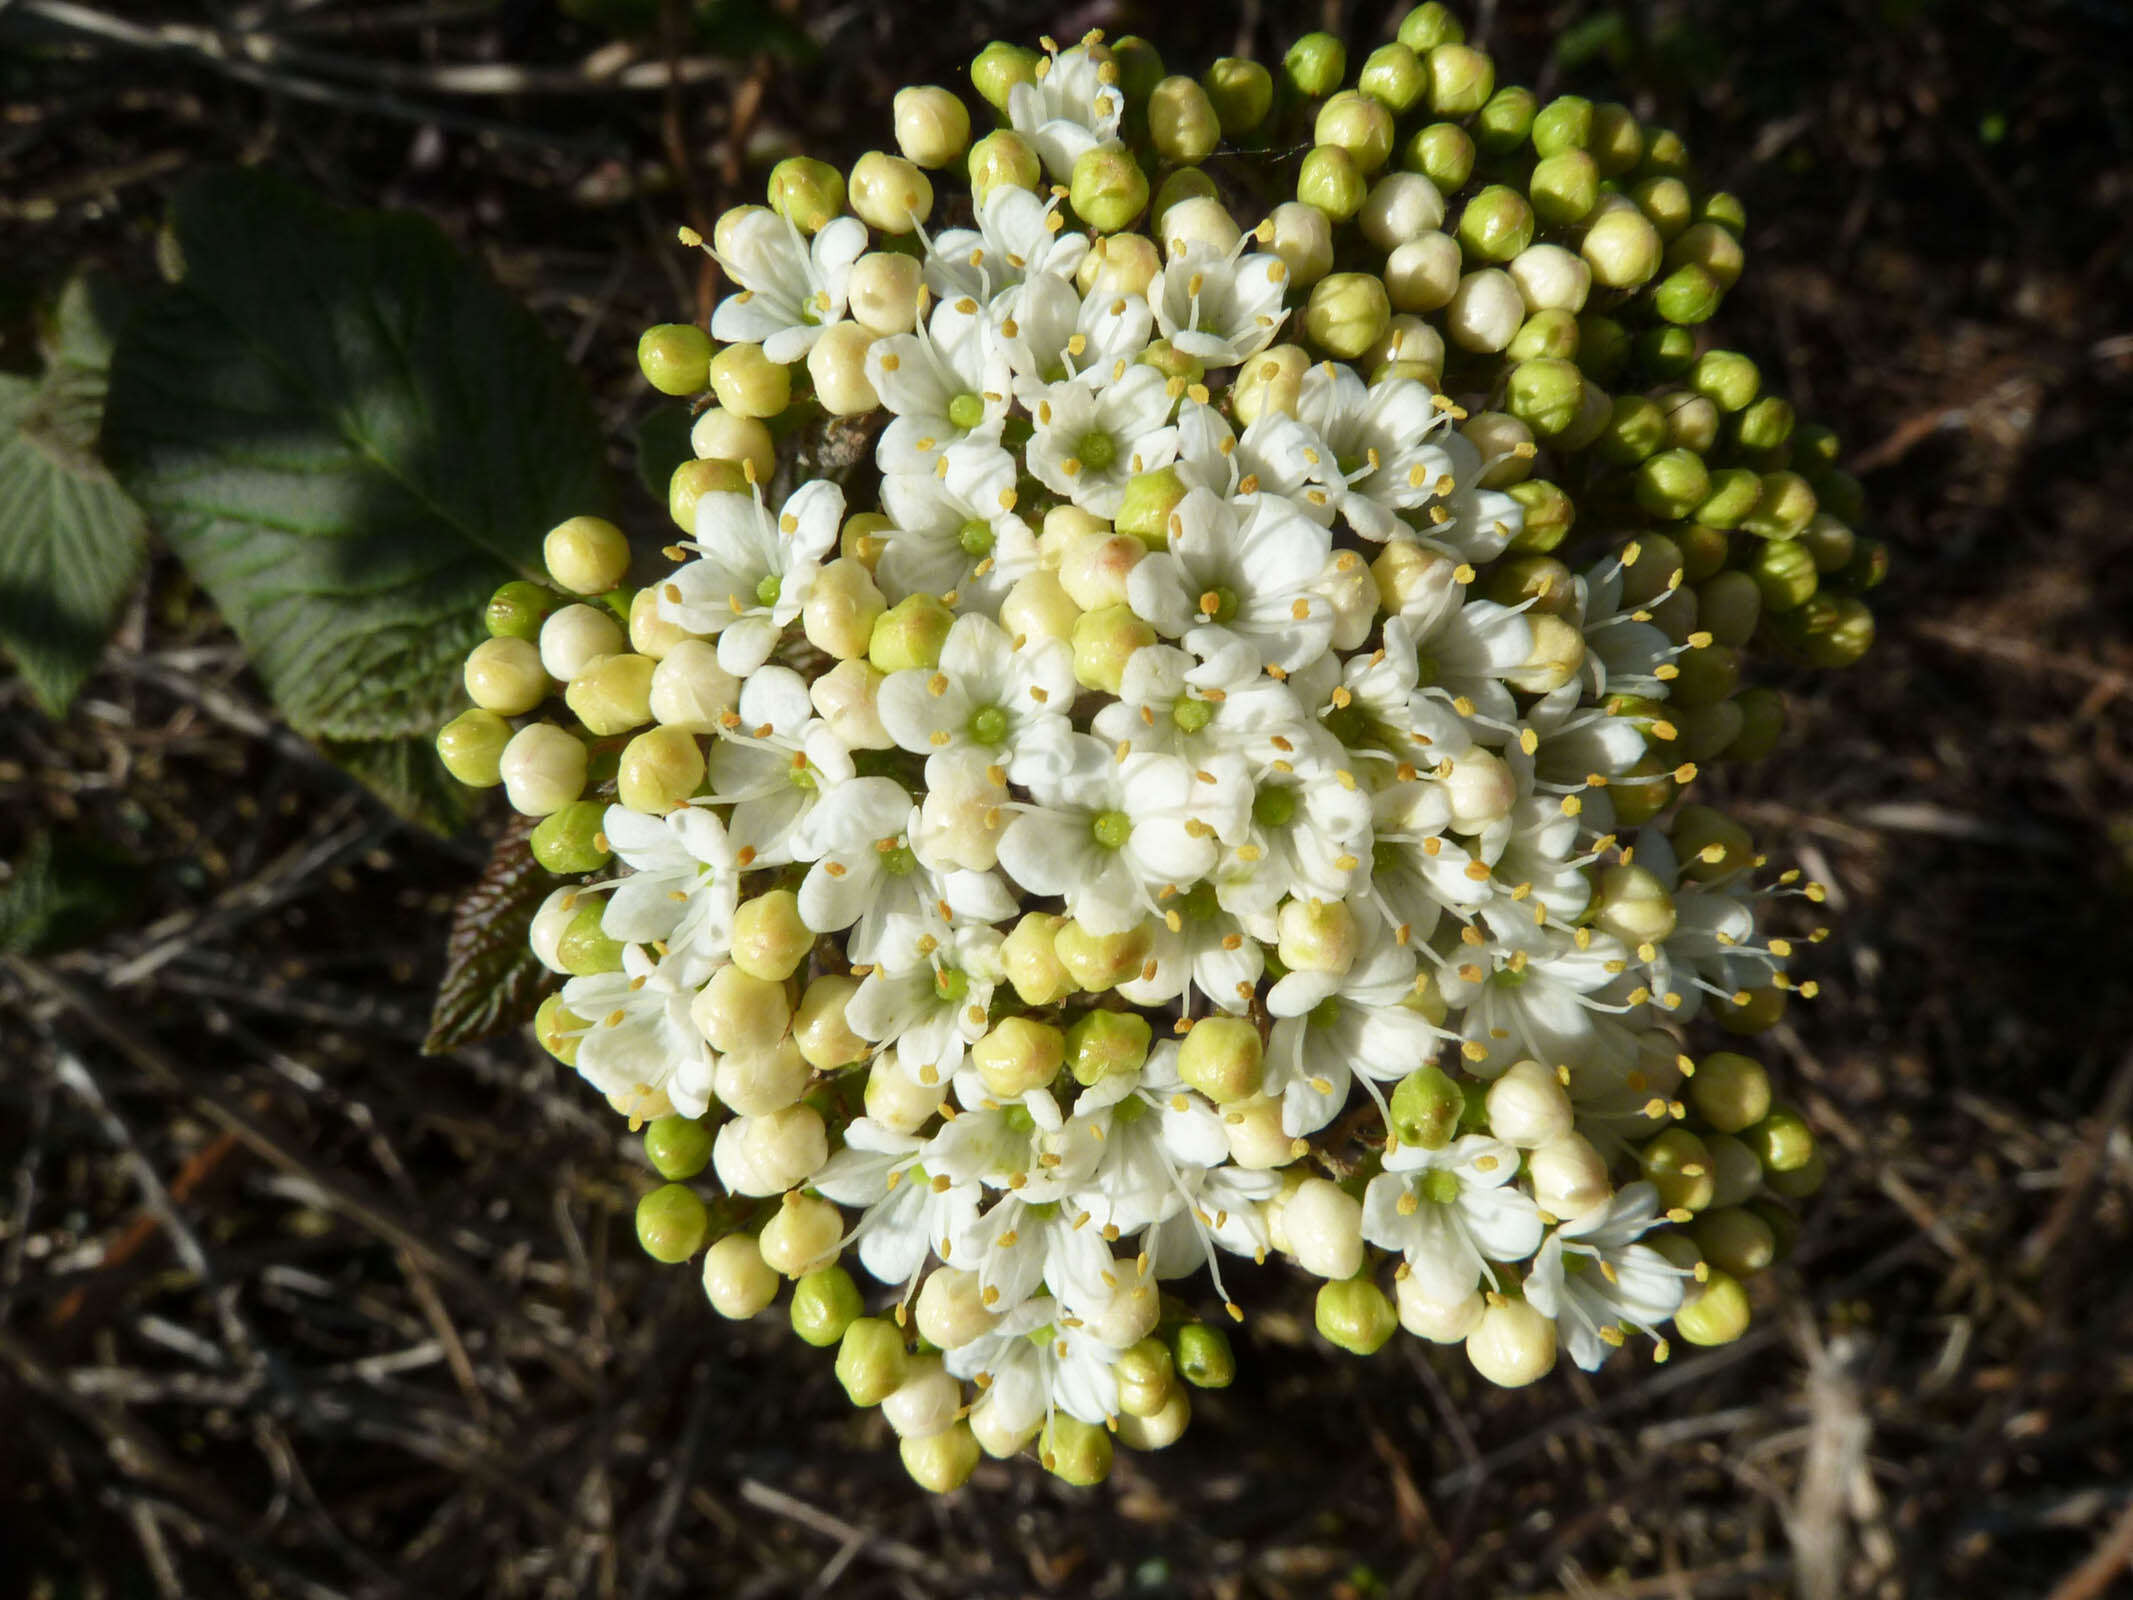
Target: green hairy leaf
70, 539
350, 437
491, 980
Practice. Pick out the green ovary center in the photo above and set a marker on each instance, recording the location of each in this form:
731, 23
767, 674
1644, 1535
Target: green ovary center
950, 985
1192, 715
1198, 903
1508, 977
1129, 1110
1439, 1188
1274, 807
897, 861
987, 725
1425, 670
975, 536
1111, 829
801, 776
966, 410
767, 592
1096, 450
1326, 1012
1347, 723
1225, 606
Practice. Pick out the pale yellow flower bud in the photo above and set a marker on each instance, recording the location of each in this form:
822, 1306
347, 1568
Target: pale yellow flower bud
1550, 278
749, 383
1324, 1225
1018, 1055
771, 1080
848, 698
1423, 273
690, 690
1093, 569
932, 125
1257, 1141
660, 768
1199, 221
505, 675
889, 193
1528, 1106
1348, 312
1270, 382
825, 1039
1481, 790
614, 694
1222, 1057
841, 610
1569, 1177
1038, 607
741, 1014
1438, 1321
543, 769
951, 1309
837, 364
1302, 235
768, 1154
574, 637
926, 1402
1158, 1429
1486, 311
1119, 263
1318, 936
899, 1097
1401, 207
883, 292
650, 634
1622, 248
737, 1280
802, 1235
1512, 1345
769, 939
1002, 160
1032, 963
586, 555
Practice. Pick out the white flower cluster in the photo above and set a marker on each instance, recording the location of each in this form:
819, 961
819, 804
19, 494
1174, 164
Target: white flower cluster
1179, 771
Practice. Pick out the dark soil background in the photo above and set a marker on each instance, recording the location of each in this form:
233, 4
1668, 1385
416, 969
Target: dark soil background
288, 1309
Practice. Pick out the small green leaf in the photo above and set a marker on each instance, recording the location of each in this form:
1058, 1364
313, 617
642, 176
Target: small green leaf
350, 438
70, 539
61, 893
492, 982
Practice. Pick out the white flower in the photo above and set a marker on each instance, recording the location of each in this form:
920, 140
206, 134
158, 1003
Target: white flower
1274, 456
882, 891
1527, 990
791, 290
1451, 1213
1018, 236
945, 383
1219, 308
1333, 1027
682, 887
641, 1041
932, 1004
1018, 1245
1308, 834
1036, 1360
1097, 431
989, 696
1418, 871
1197, 707
1595, 1280
1071, 109
790, 780
909, 1215
956, 532
1462, 661
1049, 333
1199, 946
1110, 835
1245, 568
754, 571
1148, 1129
1384, 445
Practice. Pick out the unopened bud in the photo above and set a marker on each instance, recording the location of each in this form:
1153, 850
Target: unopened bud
1316, 64
772, 1152
1100, 961
1182, 121
1528, 1106
570, 841
1569, 1177
740, 1013
824, 1304
1717, 1315
675, 358
1332, 181
941, 1463
889, 193
1202, 1356
1485, 313
542, 768
1075, 1451
883, 290
748, 383
1512, 1345
471, 746
1108, 189
504, 675
678, 1147
1324, 1226
1270, 383
1348, 313
1442, 152
1104, 641
659, 769
1622, 248
1358, 124
951, 1309
1678, 1165
1242, 93
1481, 790
809, 192
690, 691
613, 694
1402, 207
898, 1095
826, 1040
671, 1223
910, 634
1495, 225
1018, 1055
801, 1235
1318, 936
1258, 1142
872, 1362
841, 609
1194, 219
1223, 1058
737, 1281
761, 1082
1631, 903
932, 126
999, 67
1438, 1321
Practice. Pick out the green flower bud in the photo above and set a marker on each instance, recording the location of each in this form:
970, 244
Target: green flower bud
1707, 730
1108, 190
1442, 152
1718, 1315
1727, 378
889, 193
748, 383
1829, 630
1316, 64
1564, 123
1622, 248
1003, 159
543, 769
1687, 296
1829, 541
1725, 210
1603, 347
1460, 80
1564, 188
1734, 493
809, 192
1728, 606
1762, 724
659, 769
1666, 154
872, 1362
558, 1030
1653, 570
932, 126
910, 634
1356, 1315
1222, 1057
1616, 141
1203, 1357
692, 480
1426, 1108
1513, 1345
1679, 1166
1496, 224
1672, 483
1018, 1055
1731, 1092
1549, 515
1348, 313
1359, 125
1102, 1042
1182, 121
824, 1304
1100, 961
1710, 247
1428, 26
1765, 424
1784, 507
737, 1281
998, 68
678, 1147
1544, 394
941, 1463
1632, 904
1786, 572
1546, 335
672, 1223
837, 366
517, 610
1076, 1451
1032, 964
1636, 429
585, 948
613, 695
675, 358
1667, 203
1394, 77
471, 746
504, 675
1242, 93
1139, 64
1103, 642
1147, 1377
1504, 123
1801, 1181
1331, 180
570, 841
1506, 447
